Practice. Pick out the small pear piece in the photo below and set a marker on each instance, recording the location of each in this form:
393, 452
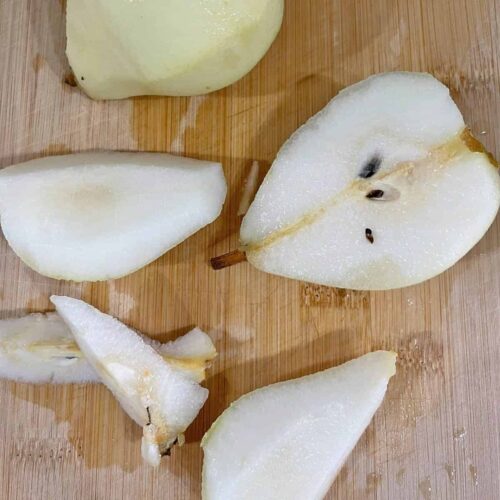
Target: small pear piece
289, 440
40, 349
154, 394
383, 188
99, 216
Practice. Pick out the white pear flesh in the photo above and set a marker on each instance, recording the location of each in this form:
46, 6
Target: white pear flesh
289, 440
155, 395
312, 220
40, 349
99, 216
190, 354
120, 49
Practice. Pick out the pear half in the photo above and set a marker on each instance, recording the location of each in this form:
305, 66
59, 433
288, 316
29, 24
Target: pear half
120, 48
98, 216
156, 395
384, 188
40, 349
289, 440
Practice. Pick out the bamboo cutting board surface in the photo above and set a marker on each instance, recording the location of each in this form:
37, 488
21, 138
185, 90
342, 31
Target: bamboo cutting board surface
437, 433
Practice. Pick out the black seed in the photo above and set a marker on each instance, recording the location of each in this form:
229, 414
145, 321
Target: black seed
371, 167
149, 415
369, 235
70, 357
83, 78
375, 193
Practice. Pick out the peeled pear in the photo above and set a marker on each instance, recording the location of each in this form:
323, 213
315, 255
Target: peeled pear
156, 395
40, 349
383, 188
122, 48
289, 440
99, 216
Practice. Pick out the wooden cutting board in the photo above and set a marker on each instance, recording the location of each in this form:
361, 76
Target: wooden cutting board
437, 433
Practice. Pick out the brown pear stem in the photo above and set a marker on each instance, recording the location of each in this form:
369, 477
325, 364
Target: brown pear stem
228, 259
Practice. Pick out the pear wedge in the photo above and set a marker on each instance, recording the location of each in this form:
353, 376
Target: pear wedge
98, 216
40, 349
384, 188
157, 396
289, 440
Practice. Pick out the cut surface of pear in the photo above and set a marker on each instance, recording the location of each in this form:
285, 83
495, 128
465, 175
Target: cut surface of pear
383, 188
289, 440
40, 349
119, 49
154, 394
98, 216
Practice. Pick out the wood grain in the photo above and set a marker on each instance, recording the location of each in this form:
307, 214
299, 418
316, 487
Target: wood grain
437, 434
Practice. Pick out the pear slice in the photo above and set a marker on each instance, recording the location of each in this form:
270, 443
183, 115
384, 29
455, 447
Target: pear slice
289, 440
98, 216
384, 188
157, 396
123, 48
40, 349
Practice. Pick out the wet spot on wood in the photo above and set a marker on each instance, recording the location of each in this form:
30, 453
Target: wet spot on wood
450, 470
459, 82
421, 355
44, 450
38, 63
473, 474
322, 296
400, 476
425, 488
372, 481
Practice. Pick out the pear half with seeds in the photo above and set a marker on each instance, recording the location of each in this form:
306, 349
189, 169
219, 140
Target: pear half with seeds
99, 216
40, 349
289, 440
384, 188
156, 395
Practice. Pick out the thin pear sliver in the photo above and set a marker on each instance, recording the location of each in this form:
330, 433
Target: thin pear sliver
40, 349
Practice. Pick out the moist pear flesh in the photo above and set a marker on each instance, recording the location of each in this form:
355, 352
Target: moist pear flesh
40, 349
120, 48
289, 440
99, 216
383, 188
157, 396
